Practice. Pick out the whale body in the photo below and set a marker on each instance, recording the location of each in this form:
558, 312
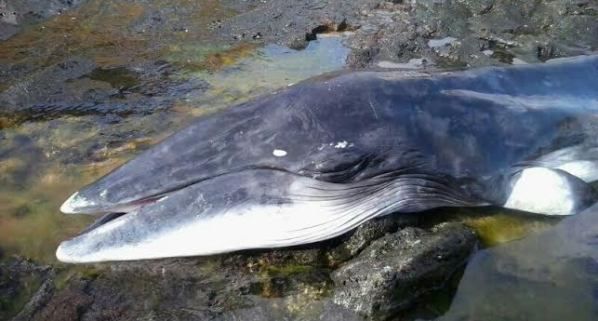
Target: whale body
317, 159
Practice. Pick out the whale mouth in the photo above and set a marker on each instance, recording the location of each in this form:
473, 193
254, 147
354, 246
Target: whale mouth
76, 204
269, 188
221, 214
107, 213
94, 202
106, 217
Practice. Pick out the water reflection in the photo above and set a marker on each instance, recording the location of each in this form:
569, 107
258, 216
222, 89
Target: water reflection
270, 68
550, 276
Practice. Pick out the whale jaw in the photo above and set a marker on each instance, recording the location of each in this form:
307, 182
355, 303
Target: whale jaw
252, 209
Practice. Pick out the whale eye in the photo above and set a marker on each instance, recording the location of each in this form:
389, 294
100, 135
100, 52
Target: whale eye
339, 167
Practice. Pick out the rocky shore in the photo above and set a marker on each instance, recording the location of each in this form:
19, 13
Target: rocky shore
393, 268
376, 272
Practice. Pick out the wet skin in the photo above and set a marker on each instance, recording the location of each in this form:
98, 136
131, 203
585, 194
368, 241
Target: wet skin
316, 159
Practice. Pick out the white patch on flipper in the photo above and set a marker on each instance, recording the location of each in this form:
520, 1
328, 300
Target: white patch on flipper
542, 190
584, 169
279, 153
578, 160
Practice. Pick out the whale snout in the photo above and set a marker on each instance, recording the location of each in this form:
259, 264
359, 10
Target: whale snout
75, 204
64, 253
251, 209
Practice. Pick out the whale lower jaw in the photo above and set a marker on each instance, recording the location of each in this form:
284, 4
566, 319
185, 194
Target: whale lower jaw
239, 229
251, 210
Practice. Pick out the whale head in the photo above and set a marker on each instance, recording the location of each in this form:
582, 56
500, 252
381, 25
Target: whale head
305, 165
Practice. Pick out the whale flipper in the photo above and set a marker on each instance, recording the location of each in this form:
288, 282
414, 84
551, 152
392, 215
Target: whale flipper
578, 160
549, 191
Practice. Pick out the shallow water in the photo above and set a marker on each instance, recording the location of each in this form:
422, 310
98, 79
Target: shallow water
43, 161
106, 114
550, 276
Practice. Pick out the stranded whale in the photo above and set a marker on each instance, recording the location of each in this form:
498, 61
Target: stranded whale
319, 158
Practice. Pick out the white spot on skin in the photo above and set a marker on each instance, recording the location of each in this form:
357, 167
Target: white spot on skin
342, 144
279, 153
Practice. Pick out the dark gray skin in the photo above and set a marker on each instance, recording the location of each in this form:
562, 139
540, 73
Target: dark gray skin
452, 139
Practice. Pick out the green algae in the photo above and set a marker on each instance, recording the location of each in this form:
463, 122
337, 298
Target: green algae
18, 288
10, 306
505, 227
493, 225
210, 58
288, 270
253, 73
64, 154
113, 32
119, 77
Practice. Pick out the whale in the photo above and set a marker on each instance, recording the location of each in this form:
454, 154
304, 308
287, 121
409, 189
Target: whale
316, 159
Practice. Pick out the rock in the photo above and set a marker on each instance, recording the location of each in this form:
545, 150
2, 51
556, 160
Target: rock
354, 242
550, 276
225, 287
283, 22
531, 33
15, 14
24, 288
393, 269
438, 43
77, 86
398, 268
290, 284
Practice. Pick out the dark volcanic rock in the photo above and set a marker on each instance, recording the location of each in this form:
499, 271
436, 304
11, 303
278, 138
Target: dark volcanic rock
550, 276
354, 242
24, 288
14, 14
78, 87
286, 284
483, 32
291, 22
398, 268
